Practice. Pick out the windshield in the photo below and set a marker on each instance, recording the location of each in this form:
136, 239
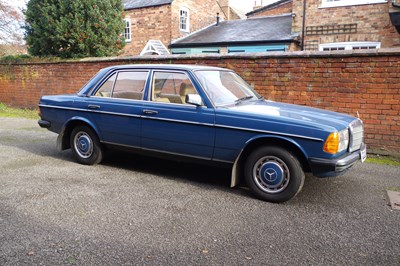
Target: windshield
225, 87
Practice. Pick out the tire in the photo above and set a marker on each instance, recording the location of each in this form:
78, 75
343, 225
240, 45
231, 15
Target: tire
273, 174
85, 146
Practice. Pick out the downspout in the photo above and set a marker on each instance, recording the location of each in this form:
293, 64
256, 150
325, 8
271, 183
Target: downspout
170, 27
304, 22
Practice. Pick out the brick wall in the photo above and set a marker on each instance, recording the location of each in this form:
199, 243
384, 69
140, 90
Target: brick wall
350, 82
372, 23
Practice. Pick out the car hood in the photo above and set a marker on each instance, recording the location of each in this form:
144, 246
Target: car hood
294, 114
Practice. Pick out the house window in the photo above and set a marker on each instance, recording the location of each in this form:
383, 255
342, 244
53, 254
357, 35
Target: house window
127, 30
184, 19
342, 46
335, 3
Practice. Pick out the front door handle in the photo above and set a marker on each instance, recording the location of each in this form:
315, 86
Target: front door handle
150, 112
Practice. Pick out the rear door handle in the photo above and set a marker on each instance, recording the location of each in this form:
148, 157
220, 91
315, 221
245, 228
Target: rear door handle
150, 112
93, 106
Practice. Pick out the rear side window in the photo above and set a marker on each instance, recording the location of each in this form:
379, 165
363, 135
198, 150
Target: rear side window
106, 89
124, 85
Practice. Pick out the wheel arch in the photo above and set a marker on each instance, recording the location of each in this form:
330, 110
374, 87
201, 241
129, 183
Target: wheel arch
289, 144
65, 134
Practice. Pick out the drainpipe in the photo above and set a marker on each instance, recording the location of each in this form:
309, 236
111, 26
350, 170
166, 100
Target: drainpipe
304, 22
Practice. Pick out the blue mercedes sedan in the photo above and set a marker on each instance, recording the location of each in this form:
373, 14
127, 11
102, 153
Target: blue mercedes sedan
208, 114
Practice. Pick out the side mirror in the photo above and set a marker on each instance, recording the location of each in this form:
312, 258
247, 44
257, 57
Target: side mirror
194, 99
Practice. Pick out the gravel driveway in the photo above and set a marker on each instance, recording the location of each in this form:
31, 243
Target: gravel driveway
134, 210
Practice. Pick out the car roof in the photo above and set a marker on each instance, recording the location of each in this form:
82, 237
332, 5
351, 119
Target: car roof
165, 66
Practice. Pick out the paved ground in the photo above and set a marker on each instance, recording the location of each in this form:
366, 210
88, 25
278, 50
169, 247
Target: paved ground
133, 211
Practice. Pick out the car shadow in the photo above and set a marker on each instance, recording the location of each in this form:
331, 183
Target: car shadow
197, 173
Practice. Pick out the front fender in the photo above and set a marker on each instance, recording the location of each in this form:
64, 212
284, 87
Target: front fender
258, 141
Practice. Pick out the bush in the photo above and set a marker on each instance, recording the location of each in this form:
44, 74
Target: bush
70, 29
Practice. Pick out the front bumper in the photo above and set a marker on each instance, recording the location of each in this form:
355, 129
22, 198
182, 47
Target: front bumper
333, 167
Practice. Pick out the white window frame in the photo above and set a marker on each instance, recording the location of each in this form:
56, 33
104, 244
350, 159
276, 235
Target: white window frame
338, 3
128, 30
184, 10
349, 46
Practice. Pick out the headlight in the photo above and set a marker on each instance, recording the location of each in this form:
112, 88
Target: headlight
337, 142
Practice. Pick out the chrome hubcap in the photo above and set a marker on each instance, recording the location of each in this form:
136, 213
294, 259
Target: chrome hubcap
271, 174
83, 144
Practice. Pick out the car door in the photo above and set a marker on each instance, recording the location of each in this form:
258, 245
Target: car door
116, 107
173, 126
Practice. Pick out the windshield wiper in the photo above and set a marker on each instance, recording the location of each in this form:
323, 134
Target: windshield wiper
243, 99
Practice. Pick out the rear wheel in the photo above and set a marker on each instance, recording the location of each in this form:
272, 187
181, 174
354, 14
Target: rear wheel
273, 174
85, 146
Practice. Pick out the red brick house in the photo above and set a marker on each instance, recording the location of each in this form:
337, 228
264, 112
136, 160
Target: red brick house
330, 25
151, 25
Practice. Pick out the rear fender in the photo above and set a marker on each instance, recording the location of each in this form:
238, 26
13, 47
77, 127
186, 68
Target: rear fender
63, 138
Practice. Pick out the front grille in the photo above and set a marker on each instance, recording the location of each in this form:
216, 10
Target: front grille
356, 135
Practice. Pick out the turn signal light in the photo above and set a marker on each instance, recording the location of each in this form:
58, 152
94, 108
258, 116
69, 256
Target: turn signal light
332, 143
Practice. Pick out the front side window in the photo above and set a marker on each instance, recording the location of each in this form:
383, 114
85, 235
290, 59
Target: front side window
127, 30
171, 87
124, 85
184, 19
225, 87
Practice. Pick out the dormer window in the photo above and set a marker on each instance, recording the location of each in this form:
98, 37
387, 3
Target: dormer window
184, 19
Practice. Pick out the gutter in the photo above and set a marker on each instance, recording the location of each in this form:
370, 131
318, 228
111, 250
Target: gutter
218, 44
304, 22
140, 7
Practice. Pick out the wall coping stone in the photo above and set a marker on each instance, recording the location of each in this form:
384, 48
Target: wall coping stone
265, 55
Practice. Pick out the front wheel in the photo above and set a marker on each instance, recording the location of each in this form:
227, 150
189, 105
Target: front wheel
85, 146
274, 174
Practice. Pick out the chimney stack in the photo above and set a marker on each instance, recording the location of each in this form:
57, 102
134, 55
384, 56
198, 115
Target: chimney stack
217, 20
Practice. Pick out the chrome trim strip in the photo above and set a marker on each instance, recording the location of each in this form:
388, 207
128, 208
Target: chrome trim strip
61, 107
90, 111
270, 132
178, 121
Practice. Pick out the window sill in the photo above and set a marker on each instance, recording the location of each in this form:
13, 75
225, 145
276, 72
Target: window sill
351, 3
